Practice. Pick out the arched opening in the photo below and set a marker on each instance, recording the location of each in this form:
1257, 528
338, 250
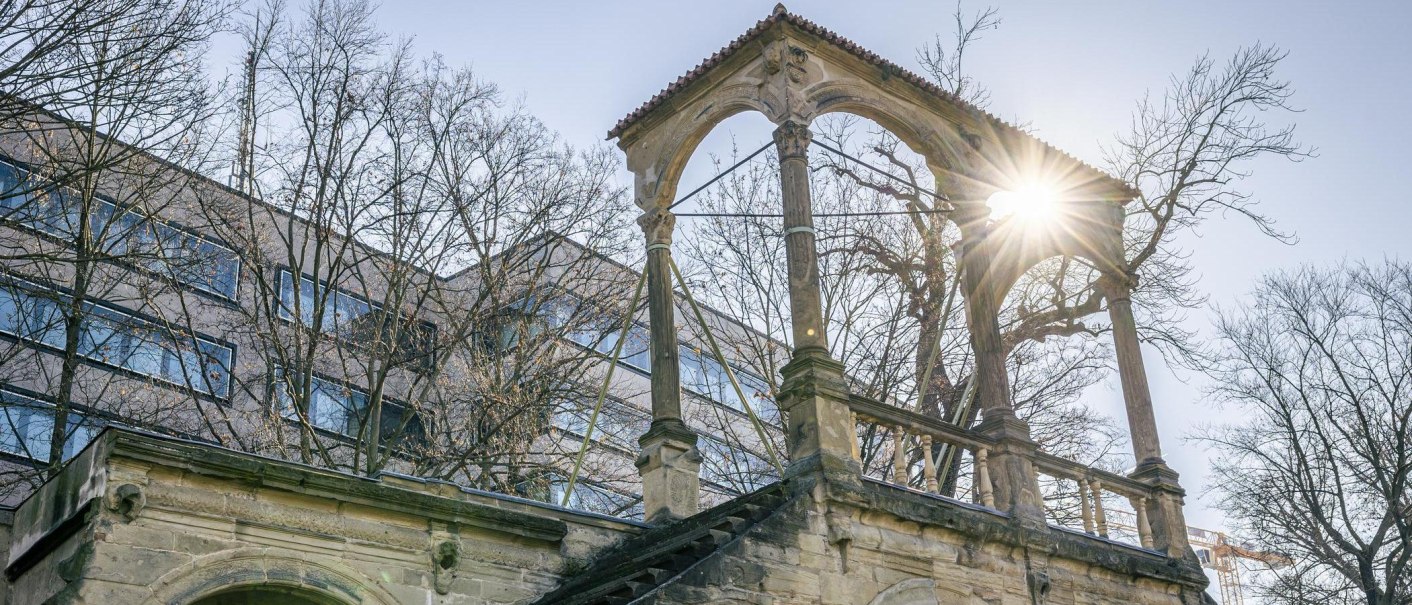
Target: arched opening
872, 306
267, 595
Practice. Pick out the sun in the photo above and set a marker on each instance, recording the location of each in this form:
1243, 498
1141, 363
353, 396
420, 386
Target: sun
1030, 203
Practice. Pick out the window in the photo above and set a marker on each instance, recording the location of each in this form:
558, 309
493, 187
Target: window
618, 425
356, 320
344, 410
598, 333
593, 498
702, 374
108, 336
151, 244
733, 467
332, 407
27, 426
341, 311
635, 352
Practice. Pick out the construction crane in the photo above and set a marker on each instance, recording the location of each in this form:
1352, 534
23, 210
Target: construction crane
1216, 551
1220, 553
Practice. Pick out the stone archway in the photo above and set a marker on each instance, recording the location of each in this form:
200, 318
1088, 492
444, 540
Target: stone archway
248, 576
793, 71
916, 591
267, 595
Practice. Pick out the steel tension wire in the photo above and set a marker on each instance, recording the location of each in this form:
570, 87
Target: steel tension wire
882, 172
815, 215
719, 176
826, 147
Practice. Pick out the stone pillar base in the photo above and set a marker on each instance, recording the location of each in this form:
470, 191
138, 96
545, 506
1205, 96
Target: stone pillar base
1164, 509
1012, 473
670, 466
818, 426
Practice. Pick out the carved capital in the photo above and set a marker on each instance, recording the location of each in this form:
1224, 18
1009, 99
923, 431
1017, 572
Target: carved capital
792, 139
657, 224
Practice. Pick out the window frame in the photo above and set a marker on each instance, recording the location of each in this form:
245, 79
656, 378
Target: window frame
79, 421
116, 211
101, 308
277, 406
285, 312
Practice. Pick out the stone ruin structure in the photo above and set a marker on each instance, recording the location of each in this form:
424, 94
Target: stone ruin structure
138, 518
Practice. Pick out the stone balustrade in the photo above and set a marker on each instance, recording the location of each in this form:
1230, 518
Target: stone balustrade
918, 452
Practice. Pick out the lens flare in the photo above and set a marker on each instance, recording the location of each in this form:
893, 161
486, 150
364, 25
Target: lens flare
1028, 203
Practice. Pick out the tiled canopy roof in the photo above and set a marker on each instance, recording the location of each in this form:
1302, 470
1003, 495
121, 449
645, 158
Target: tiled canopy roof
781, 14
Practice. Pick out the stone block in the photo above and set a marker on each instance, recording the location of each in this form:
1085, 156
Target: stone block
132, 564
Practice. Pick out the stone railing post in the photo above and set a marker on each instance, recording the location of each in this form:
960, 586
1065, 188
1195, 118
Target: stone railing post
1100, 518
984, 490
669, 463
814, 395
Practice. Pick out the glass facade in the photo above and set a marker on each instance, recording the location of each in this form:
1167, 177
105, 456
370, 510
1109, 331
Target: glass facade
27, 427
125, 234
33, 313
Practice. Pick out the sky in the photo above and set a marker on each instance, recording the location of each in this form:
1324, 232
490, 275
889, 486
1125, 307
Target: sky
1072, 70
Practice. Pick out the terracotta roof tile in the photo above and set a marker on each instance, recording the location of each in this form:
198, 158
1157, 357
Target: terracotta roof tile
782, 14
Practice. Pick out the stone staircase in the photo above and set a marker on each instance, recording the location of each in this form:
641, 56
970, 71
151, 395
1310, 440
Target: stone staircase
650, 560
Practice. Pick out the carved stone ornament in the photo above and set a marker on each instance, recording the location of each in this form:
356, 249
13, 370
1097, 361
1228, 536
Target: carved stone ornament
127, 500
795, 60
444, 561
1038, 582
792, 139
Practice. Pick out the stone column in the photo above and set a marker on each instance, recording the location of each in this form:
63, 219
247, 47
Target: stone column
1013, 477
983, 323
1164, 509
1137, 397
819, 430
806, 309
670, 464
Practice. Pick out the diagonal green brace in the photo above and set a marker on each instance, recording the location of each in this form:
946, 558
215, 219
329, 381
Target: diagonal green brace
603, 390
716, 350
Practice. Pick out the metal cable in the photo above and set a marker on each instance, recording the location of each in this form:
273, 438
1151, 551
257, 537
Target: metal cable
719, 176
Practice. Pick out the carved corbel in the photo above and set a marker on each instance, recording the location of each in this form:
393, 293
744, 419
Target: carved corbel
127, 500
840, 534
1039, 585
445, 558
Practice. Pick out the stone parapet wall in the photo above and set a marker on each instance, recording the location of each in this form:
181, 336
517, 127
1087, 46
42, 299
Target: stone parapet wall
179, 521
144, 520
832, 548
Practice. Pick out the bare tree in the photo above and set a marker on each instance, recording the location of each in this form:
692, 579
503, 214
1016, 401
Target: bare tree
1319, 363
79, 78
943, 59
419, 258
1188, 152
